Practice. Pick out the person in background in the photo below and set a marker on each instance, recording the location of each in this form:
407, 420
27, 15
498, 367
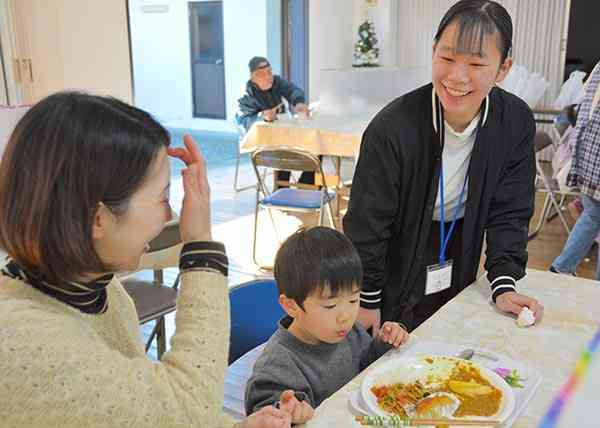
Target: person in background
440, 168
263, 100
584, 174
84, 187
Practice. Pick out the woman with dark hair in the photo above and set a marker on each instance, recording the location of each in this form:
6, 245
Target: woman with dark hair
439, 169
84, 187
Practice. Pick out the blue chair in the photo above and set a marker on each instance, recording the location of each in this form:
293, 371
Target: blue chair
297, 199
255, 311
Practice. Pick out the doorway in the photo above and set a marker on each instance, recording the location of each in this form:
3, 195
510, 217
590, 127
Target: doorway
206, 54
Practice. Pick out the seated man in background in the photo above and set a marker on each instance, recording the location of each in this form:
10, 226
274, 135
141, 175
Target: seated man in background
263, 100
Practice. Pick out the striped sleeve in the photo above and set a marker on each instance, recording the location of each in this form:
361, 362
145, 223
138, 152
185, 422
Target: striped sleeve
204, 255
502, 284
370, 299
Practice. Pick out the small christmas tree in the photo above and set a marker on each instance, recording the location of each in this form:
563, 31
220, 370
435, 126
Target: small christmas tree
366, 52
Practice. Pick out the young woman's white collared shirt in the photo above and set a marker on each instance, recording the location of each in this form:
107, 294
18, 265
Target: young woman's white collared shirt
456, 155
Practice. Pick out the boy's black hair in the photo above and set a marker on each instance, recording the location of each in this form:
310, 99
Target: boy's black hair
477, 19
314, 259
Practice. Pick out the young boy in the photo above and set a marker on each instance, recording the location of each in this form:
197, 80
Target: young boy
319, 346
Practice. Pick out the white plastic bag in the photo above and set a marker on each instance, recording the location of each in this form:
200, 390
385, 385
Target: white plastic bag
571, 92
528, 86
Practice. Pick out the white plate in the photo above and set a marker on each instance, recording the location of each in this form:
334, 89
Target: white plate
356, 405
411, 369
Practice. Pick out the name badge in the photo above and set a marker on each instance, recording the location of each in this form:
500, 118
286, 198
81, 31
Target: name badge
439, 277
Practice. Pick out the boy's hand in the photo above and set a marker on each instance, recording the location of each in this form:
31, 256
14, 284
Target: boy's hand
392, 333
300, 411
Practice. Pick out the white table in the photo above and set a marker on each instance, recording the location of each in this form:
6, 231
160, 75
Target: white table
322, 134
552, 347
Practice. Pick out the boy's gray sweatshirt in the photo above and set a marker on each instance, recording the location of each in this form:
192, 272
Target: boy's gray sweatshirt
314, 372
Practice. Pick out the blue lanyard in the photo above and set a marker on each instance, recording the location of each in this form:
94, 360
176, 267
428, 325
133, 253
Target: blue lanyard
444, 240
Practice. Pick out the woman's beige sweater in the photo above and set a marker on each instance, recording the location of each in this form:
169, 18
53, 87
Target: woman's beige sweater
63, 368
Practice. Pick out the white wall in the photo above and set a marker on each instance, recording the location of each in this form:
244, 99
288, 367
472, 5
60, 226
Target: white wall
330, 38
161, 56
245, 25
333, 31
418, 21
95, 47
161, 59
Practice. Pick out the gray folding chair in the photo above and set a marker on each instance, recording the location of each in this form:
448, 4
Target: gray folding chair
289, 199
153, 299
545, 183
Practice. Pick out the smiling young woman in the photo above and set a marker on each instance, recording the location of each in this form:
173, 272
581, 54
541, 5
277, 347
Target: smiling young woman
439, 169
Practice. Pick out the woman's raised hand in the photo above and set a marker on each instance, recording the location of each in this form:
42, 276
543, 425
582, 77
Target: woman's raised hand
194, 222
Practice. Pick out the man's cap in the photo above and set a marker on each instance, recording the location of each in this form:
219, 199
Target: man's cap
257, 63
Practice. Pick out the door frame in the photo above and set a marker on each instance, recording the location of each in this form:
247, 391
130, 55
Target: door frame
564, 41
9, 53
287, 57
4, 98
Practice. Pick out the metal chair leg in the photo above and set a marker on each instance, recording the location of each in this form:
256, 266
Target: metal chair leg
161, 337
263, 267
542, 220
556, 207
237, 173
330, 215
321, 215
159, 332
274, 226
560, 214
151, 337
255, 231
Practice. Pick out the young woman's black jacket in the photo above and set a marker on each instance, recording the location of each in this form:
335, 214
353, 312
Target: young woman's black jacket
395, 186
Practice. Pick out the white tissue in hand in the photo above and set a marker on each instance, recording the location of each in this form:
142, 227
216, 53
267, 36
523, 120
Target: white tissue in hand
525, 318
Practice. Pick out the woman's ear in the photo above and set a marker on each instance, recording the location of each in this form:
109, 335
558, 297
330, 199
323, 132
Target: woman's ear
103, 218
289, 306
504, 69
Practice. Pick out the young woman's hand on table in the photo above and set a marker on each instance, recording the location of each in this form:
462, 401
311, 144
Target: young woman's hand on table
513, 303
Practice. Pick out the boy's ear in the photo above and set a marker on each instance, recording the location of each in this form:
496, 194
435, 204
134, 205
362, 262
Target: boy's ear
289, 306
